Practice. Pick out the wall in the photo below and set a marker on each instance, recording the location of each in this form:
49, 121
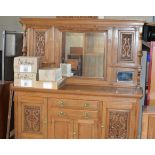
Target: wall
10, 23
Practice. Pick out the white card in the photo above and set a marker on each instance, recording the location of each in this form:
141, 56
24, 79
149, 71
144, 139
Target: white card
47, 85
26, 83
26, 68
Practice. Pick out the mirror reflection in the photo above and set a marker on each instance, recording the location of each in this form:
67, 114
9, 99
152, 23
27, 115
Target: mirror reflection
85, 52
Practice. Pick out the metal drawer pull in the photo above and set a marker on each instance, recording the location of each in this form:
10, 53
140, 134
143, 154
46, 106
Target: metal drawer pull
61, 103
86, 105
86, 115
61, 113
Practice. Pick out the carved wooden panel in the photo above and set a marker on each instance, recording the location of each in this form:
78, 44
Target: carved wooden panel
126, 47
40, 43
32, 118
118, 124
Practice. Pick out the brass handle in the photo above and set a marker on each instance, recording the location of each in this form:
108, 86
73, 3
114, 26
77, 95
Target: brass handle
86, 105
61, 113
61, 103
102, 125
86, 115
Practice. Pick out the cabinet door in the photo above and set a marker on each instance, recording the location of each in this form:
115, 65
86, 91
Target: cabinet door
151, 129
32, 117
120, 120
60, 128
45, 43
86, 129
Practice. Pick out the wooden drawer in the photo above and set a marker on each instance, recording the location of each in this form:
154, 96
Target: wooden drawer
73, 114
74, 104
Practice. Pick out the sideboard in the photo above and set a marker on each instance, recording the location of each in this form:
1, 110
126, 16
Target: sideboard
103, 100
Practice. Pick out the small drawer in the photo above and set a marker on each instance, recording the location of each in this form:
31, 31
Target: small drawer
74, 104
74, 114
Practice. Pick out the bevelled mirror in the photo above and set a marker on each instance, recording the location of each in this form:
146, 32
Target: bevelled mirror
86, 52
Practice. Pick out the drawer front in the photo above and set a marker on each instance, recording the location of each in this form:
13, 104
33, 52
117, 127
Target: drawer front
74, 114
74, 104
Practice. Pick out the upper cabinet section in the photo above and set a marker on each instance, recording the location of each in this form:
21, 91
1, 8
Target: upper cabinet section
104, 51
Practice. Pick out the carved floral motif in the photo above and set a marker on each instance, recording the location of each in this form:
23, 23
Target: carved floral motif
126, 48
32, 118
40, 43
118, 124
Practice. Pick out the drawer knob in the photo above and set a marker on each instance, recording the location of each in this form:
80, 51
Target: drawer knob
61, 103
86, 105
61, 113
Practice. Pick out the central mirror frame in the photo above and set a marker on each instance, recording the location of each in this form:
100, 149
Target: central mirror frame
86, 52
107, 59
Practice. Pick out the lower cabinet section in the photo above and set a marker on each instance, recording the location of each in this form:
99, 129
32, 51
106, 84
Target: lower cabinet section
31, 120
60, 128
120, 120
43, 117
86, 129
70, 122
148, 123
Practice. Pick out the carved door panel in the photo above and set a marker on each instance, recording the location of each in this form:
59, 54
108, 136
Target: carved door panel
45, 43
60, 128
86, 129
125, 47
32, 117
120, 121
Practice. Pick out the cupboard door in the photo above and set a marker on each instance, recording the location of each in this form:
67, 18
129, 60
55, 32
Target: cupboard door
32, 117
86, 129
45, 43
125, 47
120, 121
151, 129
60, 128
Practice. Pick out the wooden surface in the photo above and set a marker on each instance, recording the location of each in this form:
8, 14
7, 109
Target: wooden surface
84, 107
89, 90
82, 111
44, 37
148, 121
152, 75
4, 103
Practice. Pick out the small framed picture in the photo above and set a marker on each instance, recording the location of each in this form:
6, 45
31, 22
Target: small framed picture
125, 76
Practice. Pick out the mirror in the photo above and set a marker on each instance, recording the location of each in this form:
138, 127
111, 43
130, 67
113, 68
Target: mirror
86, 52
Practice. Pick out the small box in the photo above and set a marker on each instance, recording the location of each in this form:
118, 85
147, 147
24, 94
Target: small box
30, 76
49, 85
26, 64
24, 83
66, 69
50, 74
